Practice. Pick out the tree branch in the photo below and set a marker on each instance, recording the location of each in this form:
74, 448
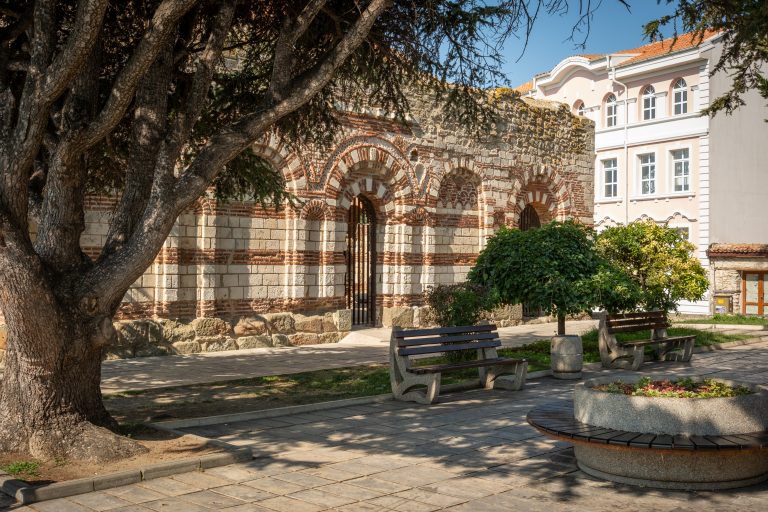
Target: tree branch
147, 129
231, 140
45, 83
164, 22
115, 273
290, 33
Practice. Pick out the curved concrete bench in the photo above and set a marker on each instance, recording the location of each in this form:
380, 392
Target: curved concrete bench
672, 462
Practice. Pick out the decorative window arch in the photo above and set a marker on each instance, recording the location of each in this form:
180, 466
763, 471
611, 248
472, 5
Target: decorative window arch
579, 108
649, 103
679, 97
610, 111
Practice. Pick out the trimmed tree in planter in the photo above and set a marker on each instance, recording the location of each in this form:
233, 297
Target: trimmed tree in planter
553, 268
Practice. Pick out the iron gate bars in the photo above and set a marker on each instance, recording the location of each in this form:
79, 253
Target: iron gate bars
360, 279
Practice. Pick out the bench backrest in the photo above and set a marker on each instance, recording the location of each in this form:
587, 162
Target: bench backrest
633, 322
445, 339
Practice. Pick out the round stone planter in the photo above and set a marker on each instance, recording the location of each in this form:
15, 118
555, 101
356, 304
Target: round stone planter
719, 468
566, 356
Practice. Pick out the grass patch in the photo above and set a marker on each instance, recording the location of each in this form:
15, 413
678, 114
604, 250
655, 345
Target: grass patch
729, 319
324, 385
23, 469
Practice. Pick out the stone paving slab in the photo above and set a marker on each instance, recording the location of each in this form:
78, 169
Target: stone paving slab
471, 452
367, 346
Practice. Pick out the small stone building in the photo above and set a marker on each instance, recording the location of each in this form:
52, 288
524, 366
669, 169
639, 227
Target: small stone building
385, 213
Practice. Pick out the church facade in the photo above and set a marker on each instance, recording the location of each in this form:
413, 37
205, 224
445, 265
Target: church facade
385, 213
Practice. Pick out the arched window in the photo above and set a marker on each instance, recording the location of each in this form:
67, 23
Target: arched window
680, 97
529, 219
610, 110
579, 108
649, 103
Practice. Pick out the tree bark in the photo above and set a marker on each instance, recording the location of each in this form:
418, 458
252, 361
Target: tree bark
560, 325
50, 401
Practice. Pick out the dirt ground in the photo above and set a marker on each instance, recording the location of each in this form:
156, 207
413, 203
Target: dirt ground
163, 447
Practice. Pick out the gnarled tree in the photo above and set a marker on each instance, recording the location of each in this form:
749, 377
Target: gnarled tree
155, 101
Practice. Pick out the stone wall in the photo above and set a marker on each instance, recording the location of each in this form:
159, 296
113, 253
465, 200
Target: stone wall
156, 337
437, 193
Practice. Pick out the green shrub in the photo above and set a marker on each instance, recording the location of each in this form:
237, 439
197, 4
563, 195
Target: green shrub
658, 259
457, 304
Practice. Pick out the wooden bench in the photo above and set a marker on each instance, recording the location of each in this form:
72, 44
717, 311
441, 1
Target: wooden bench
630, 354
407, 380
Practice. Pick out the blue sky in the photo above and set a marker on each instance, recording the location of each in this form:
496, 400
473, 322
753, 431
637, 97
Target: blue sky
613, 28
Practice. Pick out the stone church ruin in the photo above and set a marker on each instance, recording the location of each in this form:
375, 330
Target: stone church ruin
387, 211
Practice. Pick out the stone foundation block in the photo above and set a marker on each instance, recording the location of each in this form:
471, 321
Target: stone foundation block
280, 340
304, 338
343, 319
313, 324
211, 327
281, 323
328, 323
331, 337
245, 342
174, 332
152, 350
138, 338
251, 326
187, 347
400, 316
216, 343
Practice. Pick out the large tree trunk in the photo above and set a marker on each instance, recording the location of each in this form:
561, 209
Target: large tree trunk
50, 401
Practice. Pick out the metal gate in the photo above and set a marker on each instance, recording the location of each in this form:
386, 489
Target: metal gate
360, 279
529, 219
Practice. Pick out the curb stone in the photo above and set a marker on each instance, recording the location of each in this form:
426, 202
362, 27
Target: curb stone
26, 494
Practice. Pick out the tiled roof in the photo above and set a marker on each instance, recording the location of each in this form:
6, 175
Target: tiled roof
660, 48
641, 53
524, 88
738, 250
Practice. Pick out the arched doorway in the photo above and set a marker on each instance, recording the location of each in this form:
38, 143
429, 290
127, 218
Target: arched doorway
360, 279
529, 219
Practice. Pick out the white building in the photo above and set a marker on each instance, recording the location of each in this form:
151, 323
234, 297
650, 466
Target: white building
654, 154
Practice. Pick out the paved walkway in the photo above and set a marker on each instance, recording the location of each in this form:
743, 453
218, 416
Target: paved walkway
361, 347
472, 452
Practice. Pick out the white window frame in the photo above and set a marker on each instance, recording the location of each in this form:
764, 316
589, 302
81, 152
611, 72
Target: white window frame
581, 108
683, 229
605, 182
641, 180
611, 114
649, 103
682, 102
686, 161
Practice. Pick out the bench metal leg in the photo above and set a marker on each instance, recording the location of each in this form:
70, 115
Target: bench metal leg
509, 377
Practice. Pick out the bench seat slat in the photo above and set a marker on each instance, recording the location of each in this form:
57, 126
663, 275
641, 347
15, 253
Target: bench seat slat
635, 321
409, 342
641, 314
464, 365
655, 342
443, 330
635, 328
437, 349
